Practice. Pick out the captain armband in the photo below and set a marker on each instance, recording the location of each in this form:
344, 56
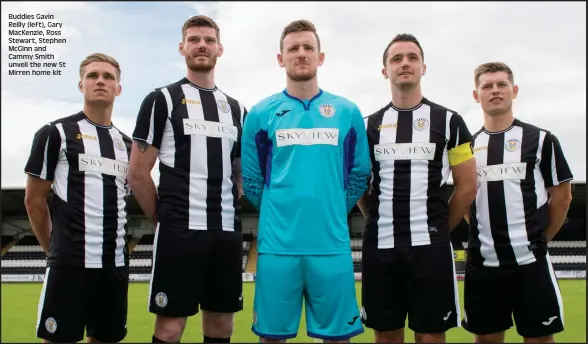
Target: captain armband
460, 154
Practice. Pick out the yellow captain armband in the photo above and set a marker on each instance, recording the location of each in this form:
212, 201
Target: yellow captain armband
460, 154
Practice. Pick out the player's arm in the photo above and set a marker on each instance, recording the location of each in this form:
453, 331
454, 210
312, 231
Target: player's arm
359, 163
558, 176
254, 155
362, 204
237, 162
40, 168
147, 138
463, 168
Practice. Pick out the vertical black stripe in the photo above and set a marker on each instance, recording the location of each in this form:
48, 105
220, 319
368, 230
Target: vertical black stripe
214, 153
373, 135
235, 152
498, 219
401, 184
73, 243
110, 200
174, 182
474, 243
533, 223
437, 208
547, 160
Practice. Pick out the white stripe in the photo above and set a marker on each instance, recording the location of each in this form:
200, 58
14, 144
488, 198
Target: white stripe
153, 266
482, 205
446, 168
227, 198
455, 289
540, 190
515, 208
555, 180
42, 298
43, 174
419, 229
120, 155
93, 201
167, 150
151, 124
60, 184
198, 164
385, 227
555, 288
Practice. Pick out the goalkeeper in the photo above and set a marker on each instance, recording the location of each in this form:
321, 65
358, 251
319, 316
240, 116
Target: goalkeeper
305, 163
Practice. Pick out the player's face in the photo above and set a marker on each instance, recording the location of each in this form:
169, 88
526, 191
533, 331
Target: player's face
200, 48
495, 93
100, 84
300, 56
404, 65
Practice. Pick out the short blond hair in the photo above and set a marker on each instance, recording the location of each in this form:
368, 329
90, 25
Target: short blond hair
99, 57
299, 26
200, 21
492, 67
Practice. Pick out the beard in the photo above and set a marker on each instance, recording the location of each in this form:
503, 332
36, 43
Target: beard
197, 66
301, 76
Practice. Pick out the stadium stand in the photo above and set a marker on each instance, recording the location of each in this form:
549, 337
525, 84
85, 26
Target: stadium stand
23, 259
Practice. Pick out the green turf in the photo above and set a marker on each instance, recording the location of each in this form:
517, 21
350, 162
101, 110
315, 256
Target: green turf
19, 314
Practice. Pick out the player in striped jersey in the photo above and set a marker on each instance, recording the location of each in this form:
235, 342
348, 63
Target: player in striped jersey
524, 193
194, 129
407, 261
85, 158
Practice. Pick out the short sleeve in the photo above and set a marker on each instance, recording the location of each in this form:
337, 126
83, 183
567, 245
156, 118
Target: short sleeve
240, 135
554, 166
44, 153
151, 119
459, 143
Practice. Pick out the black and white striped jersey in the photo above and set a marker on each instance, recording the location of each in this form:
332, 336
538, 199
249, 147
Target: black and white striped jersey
198, 133
510, 214
412, 151
88, 165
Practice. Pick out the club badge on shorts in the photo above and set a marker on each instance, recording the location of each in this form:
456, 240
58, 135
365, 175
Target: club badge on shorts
161, 299
51, 325
327, 110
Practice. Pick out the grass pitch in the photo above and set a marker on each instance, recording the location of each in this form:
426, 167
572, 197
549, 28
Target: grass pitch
20, 301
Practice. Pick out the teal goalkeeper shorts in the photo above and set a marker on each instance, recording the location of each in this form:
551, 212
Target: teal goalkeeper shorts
325, 283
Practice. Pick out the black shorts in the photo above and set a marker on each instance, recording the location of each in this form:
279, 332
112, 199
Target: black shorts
196, 268
529, 293
74, 299
417, 281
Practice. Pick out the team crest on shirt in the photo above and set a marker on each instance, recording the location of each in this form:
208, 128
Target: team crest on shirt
51, 325
327, 110
161, 299
223, 106
420, 124
119, 144
512, 145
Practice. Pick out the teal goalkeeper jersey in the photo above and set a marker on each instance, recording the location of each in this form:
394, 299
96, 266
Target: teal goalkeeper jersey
304, 165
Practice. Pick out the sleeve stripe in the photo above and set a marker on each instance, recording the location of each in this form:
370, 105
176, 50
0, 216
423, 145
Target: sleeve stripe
553, 167
149, 139
43, 173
